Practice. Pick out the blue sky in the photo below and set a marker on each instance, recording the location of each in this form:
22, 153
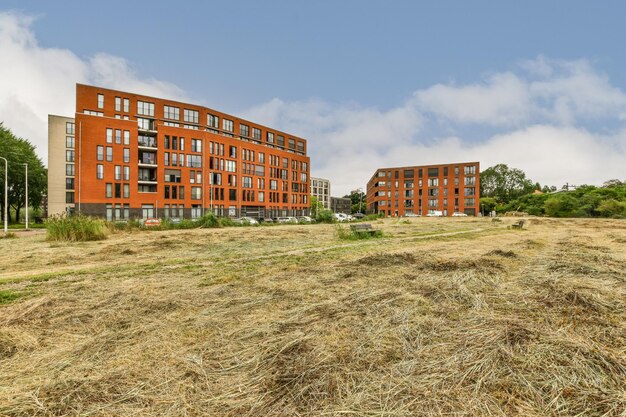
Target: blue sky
456, 79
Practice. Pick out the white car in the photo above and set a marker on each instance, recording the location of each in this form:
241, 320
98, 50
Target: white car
459, 214
340, 217
246, 220
287, 219
305, 219
411, 215
435, 213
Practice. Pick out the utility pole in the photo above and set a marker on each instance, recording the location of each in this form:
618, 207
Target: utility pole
26, 195
6, 196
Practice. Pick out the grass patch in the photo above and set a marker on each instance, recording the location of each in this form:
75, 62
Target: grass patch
350, 233
77, 228
8, 235
7, 296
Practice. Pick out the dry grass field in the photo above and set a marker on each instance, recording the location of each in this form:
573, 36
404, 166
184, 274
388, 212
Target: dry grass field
439, 317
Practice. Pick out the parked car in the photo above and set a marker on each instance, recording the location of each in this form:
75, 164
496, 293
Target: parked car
286, 219
305, 219
359, 215
435, 213
458, 214
267, 220
340, 217
411, 215
246, 220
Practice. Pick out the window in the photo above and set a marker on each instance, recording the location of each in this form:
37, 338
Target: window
118, 104
69, 169
118, 172
470, 202
69, 156
281, 140
433, 182
166, 157
118, 190
470, 170
118, 136
127, 137
170, 112
126, 173
433, 172
469, 191
69, 141
69, 197
100, 101
470, 181
227, 125
109, 135
233, 152
100, 153
194, 161
109, 153
256, 133
190, 116
145, 108
213, 121
196, 145
246, 182
69, 128
69, 183
270, 137
126, 105
196, 193
126, 208
109, 190
244, 130
126, 155
292, 143
145, 124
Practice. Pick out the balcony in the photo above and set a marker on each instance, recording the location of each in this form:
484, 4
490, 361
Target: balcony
147, 142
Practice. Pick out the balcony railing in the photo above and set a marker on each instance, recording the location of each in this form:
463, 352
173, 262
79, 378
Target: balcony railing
147, 142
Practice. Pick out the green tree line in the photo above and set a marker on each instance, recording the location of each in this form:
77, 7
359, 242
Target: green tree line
18, 152
506, 189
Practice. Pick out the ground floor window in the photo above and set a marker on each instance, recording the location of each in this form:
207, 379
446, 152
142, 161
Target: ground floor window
147, 211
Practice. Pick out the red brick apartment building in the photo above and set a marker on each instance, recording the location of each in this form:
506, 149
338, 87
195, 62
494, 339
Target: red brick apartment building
126, 155
419, 190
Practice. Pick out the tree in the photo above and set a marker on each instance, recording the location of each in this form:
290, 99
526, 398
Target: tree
357, 201
19, 151
316, 206
504, 183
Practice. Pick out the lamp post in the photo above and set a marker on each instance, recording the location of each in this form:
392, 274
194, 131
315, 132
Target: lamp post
6, 195
26, 194
361, 199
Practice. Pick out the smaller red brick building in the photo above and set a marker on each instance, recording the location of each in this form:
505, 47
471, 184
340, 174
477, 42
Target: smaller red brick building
420, 190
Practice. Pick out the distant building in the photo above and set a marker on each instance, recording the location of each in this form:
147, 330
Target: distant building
419, 190
340, 205
320, 188
61, 165
126, 156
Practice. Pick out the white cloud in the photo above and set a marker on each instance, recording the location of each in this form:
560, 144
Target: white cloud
503, 100
36, 81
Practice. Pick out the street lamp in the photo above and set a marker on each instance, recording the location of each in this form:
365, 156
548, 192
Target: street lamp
26, 195
6, 196
361, 199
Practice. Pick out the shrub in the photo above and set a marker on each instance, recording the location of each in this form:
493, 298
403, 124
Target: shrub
209, 220
325, 216
78, 228
349, 233
8, 235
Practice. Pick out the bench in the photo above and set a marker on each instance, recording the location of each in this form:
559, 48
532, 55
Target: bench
518, 224
363, 228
